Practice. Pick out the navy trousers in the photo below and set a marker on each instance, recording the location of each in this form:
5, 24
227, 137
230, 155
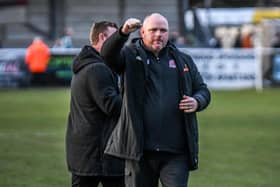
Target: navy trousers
171, 169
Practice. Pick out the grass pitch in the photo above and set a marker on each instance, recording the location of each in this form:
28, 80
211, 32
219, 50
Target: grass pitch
239, 139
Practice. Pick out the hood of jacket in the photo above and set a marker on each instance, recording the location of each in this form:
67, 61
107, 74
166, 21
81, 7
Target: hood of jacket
88, 55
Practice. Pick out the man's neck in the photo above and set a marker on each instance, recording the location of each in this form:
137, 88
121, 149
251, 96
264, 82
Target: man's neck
97, 48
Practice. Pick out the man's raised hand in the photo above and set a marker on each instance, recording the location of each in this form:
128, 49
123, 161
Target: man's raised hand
131, 25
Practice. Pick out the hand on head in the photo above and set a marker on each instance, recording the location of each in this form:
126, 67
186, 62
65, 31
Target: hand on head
131, 25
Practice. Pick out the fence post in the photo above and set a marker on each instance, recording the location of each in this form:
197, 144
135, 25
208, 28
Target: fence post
258, 69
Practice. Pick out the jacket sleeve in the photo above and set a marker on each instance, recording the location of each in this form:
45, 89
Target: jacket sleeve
113, 53
200, 91
104, 89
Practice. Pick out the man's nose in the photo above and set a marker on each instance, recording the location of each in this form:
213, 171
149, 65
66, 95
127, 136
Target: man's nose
158, 33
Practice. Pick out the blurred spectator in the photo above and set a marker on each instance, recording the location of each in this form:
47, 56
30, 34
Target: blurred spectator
57, 43
37, 58
215, 42
66, 40
274, 69
224, 37
180, 41
276, 43
247, 40
173, 36
190, 39
237, 42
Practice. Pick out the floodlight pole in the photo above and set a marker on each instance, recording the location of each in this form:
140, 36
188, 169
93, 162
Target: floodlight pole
56, 18
182, 6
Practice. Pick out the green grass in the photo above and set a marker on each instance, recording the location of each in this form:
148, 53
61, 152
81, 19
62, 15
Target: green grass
32, 131
239, 139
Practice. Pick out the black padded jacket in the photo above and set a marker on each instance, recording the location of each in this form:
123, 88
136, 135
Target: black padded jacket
94, 109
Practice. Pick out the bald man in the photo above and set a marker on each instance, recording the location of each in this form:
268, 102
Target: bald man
157, 131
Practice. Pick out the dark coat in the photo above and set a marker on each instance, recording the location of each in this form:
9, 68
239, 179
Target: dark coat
94, 109
127, 140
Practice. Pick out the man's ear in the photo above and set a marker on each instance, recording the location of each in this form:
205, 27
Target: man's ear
101, 37
142, 32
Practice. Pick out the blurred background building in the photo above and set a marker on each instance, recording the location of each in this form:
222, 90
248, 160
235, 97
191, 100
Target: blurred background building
203, 23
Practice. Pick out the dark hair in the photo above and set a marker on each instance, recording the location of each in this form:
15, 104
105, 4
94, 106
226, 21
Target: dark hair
99, 27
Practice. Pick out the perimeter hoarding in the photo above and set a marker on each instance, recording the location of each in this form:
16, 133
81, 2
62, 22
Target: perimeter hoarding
226, 68
223, 69
14, 72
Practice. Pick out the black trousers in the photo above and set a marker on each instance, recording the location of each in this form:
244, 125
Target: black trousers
171, 169
93, 181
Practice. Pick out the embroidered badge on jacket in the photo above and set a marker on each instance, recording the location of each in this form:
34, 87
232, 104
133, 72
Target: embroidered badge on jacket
172, 63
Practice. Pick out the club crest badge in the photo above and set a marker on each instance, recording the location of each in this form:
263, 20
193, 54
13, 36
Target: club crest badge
172, 63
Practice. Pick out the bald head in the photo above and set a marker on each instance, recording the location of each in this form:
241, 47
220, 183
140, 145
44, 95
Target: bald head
155, 16
154, 32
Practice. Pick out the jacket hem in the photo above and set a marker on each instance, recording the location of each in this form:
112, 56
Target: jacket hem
136, 158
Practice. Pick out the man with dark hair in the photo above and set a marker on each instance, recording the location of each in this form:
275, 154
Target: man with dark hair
157, 130
94, 109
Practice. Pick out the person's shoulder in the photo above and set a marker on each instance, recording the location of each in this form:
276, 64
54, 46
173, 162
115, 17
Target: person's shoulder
100, 67
130, 51
98, 71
